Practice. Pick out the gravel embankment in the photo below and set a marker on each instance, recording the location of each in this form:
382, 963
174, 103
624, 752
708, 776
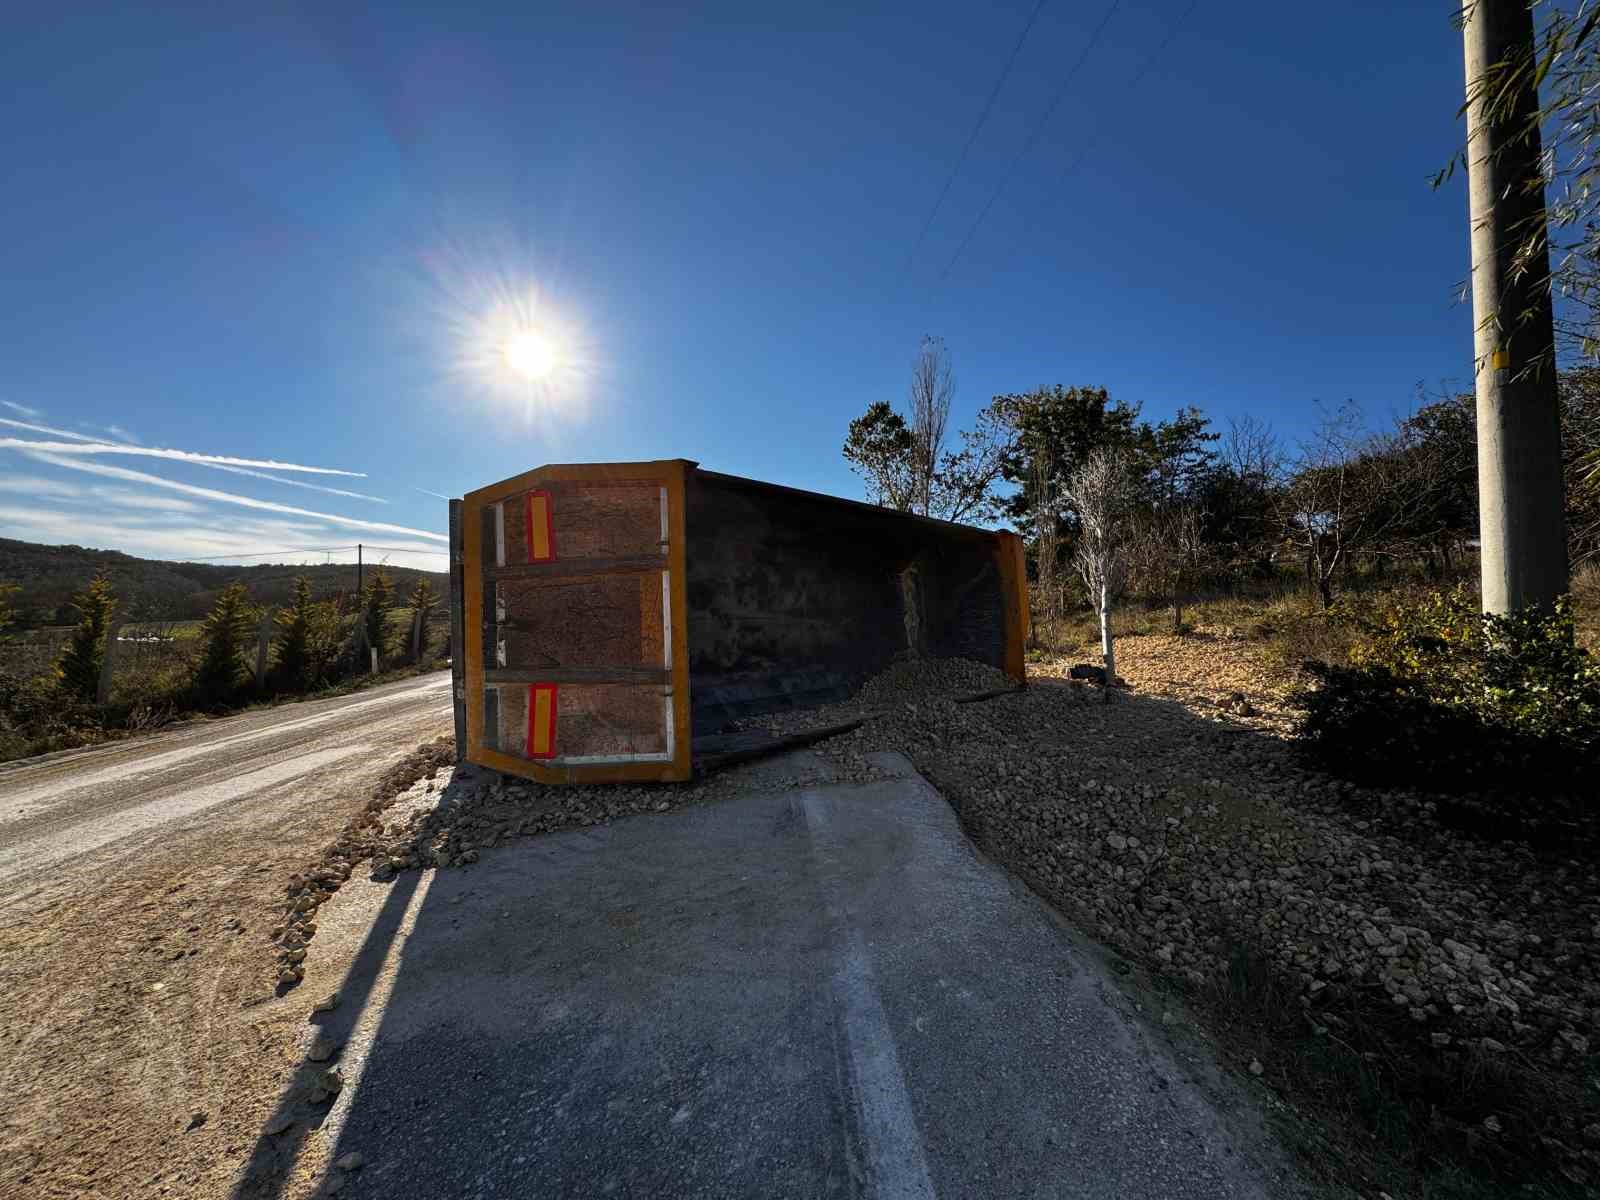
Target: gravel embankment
1173, 829
1173, 835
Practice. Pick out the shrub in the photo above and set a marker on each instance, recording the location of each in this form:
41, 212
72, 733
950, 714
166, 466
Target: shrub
38, 715
1444, 697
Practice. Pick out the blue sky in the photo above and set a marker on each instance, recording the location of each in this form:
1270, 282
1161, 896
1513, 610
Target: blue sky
285, 235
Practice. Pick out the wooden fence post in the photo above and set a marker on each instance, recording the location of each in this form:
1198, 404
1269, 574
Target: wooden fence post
102, 694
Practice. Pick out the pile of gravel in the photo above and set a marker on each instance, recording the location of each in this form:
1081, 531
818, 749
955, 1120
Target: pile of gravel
1174, 838
928, 679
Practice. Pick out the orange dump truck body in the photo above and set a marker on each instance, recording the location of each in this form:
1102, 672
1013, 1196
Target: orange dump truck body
609, 615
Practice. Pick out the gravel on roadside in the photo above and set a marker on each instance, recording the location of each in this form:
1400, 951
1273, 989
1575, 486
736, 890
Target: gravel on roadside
1170, 829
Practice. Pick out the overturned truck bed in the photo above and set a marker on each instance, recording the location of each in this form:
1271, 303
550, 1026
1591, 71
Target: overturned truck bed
614, 621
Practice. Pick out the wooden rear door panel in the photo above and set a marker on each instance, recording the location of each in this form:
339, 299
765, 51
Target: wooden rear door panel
576, 596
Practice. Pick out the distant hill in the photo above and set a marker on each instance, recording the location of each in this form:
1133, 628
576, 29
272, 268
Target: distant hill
153, 590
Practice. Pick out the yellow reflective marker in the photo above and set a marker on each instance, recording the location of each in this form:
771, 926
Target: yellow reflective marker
541, 538
542, 720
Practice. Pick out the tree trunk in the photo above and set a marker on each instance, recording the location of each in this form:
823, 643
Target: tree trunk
1107, 649
1325, 589
1177, 615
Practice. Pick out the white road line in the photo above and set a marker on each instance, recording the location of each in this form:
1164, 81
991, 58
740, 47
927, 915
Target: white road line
47, 849
897, 1165
27, 802
896, 1162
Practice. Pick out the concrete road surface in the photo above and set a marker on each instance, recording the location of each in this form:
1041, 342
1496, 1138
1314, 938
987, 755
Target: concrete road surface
79, 808
804, 991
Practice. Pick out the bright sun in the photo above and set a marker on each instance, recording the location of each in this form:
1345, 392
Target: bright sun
531, 354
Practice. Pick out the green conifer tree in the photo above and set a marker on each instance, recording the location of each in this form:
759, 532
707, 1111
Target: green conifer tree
377, 603
79, 666
224, 638
294, 638
423, 601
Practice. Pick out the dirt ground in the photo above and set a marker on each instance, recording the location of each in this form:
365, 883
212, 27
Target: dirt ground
143, 1042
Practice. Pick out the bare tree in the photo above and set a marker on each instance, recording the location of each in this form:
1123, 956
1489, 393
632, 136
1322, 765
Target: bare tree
1104, 492
1348, 495
1165, 555
1047, 536
932, 386
1251, 450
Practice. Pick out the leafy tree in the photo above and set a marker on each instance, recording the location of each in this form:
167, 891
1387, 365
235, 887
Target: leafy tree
879, 447
423, 601
1061, 426
81, 662
1579, 394
1439, 444
294, 637
224, 640
1172, 457
891, 456
1563, 69
324, 641
377, 602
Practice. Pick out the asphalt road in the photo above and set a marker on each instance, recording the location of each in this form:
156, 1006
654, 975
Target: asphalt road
817, 991
85, 809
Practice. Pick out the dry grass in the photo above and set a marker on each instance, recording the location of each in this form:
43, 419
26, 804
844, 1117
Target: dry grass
1289, 626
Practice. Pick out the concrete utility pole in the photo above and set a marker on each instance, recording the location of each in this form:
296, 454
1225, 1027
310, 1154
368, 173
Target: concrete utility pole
1520, 500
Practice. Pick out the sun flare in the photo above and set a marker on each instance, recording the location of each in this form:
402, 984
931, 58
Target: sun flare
510, 343
531, 354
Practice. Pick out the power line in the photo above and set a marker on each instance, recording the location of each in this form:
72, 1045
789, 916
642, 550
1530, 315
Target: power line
1044, 120
318, 550
402, 550
961, 159
270, 553
1138, 77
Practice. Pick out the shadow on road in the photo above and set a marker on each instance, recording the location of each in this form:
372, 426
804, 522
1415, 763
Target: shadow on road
812, 990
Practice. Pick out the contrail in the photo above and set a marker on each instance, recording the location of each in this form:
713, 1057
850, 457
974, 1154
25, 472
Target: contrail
66, 433
426, 492
316, 487
299, 483
188, 489
21, 408
12, 443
